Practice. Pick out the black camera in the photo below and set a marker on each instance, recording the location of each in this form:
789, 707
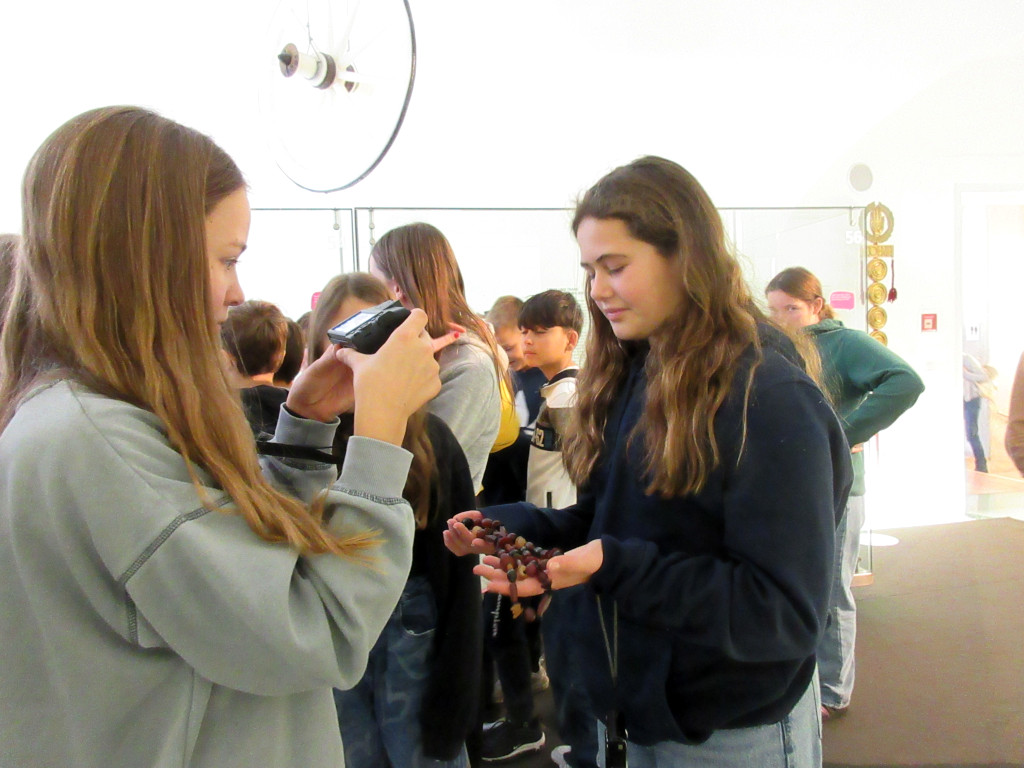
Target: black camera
368, 329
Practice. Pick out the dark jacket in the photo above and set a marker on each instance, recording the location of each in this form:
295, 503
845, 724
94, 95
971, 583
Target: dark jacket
721, 595
262, 405
449, 708
505, 475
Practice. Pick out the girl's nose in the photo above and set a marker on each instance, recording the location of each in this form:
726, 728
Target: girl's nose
235, 295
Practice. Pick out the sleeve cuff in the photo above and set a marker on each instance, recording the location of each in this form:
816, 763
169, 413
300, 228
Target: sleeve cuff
605, 577
375, 468
295, 430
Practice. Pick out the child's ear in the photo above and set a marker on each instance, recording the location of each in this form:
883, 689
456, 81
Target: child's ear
572, 339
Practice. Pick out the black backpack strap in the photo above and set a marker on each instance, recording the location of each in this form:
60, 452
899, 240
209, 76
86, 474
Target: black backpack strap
283, 451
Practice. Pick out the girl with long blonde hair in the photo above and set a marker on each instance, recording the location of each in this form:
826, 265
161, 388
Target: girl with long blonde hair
164, 603
418, 265
711, 471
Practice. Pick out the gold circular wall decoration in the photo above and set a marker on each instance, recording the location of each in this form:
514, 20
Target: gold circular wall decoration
877, 317
877, 269
880, 337
877, 293
878, 223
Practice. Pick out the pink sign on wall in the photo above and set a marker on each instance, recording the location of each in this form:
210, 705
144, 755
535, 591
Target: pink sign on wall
314, 299
841, 300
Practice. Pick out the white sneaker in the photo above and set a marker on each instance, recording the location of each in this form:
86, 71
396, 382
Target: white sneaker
558, 756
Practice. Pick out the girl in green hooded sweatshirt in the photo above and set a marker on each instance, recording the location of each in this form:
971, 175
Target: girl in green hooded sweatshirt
870, 386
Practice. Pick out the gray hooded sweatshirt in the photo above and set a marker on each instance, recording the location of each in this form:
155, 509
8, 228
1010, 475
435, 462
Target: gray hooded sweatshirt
139, 628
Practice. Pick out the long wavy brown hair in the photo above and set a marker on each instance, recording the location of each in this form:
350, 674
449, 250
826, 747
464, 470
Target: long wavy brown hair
9, 244
419, 258
420, 486
694, 358
113, 291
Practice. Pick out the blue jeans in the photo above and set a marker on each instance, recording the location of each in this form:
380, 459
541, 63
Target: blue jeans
793, 742
836, 647
972, 408
379, 718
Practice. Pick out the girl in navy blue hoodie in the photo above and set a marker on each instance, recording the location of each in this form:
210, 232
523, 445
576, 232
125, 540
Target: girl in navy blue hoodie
712, 472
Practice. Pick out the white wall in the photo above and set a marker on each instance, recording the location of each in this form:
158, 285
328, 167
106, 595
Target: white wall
526, 104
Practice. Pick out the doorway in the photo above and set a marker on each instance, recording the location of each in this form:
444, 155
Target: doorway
991, 255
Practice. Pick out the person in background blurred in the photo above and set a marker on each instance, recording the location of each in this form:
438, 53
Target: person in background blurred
254, 336
294, 351
974, 377
416, 704
1015, 425
417, 264
870, 386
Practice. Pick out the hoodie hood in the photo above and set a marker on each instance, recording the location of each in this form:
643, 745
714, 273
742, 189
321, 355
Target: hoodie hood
824, 326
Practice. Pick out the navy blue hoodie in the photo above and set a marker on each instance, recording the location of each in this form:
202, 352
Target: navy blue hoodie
722, 595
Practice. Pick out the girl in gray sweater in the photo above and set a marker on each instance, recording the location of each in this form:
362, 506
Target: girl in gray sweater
165, 603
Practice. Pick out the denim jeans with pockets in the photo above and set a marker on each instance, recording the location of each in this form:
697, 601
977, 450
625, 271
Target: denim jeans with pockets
379, 718
835, 650
793, 742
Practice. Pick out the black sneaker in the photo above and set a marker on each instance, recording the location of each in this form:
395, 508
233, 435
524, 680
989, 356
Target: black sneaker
506, 739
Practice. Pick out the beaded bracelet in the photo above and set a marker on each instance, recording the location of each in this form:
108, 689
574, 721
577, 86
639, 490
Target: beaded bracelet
517, 557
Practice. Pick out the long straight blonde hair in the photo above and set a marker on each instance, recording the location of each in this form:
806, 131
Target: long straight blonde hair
694, 360
112, 291
419, 258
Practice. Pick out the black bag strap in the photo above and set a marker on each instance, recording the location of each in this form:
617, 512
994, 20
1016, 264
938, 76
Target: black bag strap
284, 451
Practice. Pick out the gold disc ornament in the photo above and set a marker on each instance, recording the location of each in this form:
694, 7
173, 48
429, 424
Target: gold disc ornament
877, 293
878, 223
877, 269
877, 317
880, 337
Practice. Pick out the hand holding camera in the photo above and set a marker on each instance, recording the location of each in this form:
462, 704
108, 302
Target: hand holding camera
385, 387
367, 330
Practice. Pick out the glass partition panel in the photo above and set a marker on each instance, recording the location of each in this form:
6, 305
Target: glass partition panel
292, 253
521, 251
827, 241
501, 252
518, 251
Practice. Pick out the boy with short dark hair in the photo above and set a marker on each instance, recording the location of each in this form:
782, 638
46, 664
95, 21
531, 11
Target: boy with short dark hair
254, 338
551, 323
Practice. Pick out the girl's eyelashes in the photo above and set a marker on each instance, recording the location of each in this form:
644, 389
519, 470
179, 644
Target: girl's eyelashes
589, 271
